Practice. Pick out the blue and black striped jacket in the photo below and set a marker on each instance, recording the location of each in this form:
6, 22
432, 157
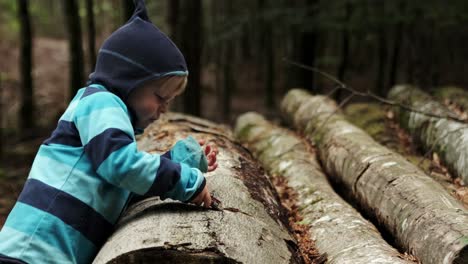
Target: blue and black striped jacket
84, 173
81, 179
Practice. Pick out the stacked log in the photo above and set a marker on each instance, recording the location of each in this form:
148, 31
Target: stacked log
447, 137
339, 231
383, 128
250, 227
453, 95
423, 218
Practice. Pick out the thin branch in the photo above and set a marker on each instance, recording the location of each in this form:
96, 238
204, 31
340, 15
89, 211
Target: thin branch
369, 94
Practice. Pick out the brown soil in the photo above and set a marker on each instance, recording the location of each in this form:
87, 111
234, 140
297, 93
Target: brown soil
288, 199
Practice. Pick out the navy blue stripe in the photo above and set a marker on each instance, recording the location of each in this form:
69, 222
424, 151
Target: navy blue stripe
102, 145
7, 260
167, 155
66, 133
67, 208
167, 176
91, 90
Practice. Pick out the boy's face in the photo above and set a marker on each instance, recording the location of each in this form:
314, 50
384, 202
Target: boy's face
150, 101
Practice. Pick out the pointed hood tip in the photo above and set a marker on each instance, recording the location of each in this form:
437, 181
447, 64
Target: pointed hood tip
140, 11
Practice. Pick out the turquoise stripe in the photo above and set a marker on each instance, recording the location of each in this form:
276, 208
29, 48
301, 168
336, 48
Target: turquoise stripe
98, 121
14, 241
51, 230
98, 101
68, 114
85, 185
130, 169
190, 180
60, 153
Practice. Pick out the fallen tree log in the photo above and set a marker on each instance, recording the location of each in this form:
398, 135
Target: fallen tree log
339, 231
423, 218
249, 228
453, 94
383, 128
448, 138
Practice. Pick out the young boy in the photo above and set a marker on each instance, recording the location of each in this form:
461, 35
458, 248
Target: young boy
83, 175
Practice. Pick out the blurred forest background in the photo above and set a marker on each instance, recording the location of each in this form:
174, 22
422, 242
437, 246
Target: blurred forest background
237, 54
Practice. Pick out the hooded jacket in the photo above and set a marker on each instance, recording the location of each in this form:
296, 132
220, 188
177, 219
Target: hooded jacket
83, 175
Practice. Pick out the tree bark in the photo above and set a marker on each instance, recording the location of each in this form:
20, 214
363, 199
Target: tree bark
250, 228
91, 34
446, 137
371, 117
27, 98
75, 46
325, 214
416, 210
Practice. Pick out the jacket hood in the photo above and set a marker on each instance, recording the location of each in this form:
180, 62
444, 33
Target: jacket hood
136, 53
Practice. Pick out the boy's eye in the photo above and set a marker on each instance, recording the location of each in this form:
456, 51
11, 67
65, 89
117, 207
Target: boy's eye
161, 99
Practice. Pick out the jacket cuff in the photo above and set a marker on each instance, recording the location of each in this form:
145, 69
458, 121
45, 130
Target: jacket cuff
199, 190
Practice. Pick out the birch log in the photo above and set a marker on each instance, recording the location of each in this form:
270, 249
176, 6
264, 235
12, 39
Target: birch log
250, 229
423, 218
454, 95
339, 231
447, 137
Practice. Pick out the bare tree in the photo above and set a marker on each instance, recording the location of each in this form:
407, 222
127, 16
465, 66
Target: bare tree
91, 34
27, 102
75, 46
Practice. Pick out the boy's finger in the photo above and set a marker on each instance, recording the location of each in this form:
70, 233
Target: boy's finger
211, 160
201, 142
213, 167
207, 150
207, 200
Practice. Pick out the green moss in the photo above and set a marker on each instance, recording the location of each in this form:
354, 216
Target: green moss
244, 132
367, 116
425, 164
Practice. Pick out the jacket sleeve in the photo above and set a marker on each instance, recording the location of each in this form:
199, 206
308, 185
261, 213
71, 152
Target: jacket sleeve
106, 133
188, 151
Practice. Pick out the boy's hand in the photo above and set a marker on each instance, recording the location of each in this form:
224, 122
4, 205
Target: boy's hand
203, 198
210, 152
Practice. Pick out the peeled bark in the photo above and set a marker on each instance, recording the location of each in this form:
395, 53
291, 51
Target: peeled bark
446, 137
423, 218
327, 216
249, 229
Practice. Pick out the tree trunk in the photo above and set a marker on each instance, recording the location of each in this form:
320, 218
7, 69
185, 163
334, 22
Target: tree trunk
249, 228
191, 46
344, 48
128, 8
226, 60
326, 215
308, 47
416, 210
268, 56
380, 85
91, 34
75, 46
371, 117
397, 43
446, 137
27, 98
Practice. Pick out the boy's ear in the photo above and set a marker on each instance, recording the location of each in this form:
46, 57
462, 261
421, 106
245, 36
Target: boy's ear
140, 10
